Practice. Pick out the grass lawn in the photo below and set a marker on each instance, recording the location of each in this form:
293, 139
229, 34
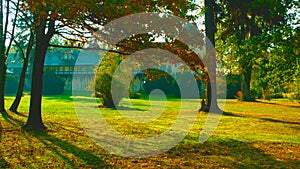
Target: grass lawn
263, 134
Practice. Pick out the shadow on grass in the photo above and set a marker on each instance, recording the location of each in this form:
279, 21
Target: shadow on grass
11, 119
88, 157
229, 153
56, 124
134, 108
291, 106
261, 118
73, 129
58, 98
3, 162
231, 114
55, 144
279, 121
121, 108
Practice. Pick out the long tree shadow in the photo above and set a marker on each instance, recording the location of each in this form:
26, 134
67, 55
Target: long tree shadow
231, 154
292, 106
74, 129
231, 114
261, 118
88, 157
10, 119
279, 121
55, 124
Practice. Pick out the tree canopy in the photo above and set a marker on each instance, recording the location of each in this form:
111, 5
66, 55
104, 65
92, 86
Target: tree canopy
246, 33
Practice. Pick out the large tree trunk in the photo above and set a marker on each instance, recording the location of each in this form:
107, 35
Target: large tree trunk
246, 78
34, 121
2, 61
212, 104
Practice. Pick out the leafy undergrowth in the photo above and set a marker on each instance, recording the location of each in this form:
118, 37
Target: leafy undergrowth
250, 135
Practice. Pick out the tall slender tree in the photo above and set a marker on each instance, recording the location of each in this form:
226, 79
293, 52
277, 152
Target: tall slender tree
4, 50
210, 34
2, 60
26, 57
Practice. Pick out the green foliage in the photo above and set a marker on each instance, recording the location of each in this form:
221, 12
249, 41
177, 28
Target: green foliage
135, 95
233, 85
103, 80
165, 82
52, 83
253, 36
256, 93
279, 68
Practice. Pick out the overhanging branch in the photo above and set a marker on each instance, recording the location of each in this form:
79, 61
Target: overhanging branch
89, 48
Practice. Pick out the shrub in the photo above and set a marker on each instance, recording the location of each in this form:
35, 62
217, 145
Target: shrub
267, 93
134, 95
169, 85
276, 95
256, 93
233, 85
103, 81
52, 83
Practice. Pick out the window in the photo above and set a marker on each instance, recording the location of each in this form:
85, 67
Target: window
61, 69
66, 68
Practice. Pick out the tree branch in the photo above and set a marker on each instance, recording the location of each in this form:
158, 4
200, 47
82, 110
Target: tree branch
13, 28
95, 48
6, 23
51, 29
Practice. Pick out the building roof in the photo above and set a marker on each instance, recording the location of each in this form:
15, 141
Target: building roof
60, 57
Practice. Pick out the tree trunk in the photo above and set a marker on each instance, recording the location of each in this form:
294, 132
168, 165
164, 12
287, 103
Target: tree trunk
108, 102
246, 78
34, 121
15, 105
2, 80
266, 94
211, 53
2, 61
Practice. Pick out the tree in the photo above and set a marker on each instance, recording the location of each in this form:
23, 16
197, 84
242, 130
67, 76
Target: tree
210, 34
142, 41
278, 71
2, 60
45, 14
241, 26
76, 16
25, 45
103, 80
5, 50
26, 58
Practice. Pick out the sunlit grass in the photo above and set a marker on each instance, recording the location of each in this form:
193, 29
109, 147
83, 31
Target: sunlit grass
250, 135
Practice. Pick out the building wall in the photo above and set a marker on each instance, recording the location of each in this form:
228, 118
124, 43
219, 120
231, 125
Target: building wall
80, 82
